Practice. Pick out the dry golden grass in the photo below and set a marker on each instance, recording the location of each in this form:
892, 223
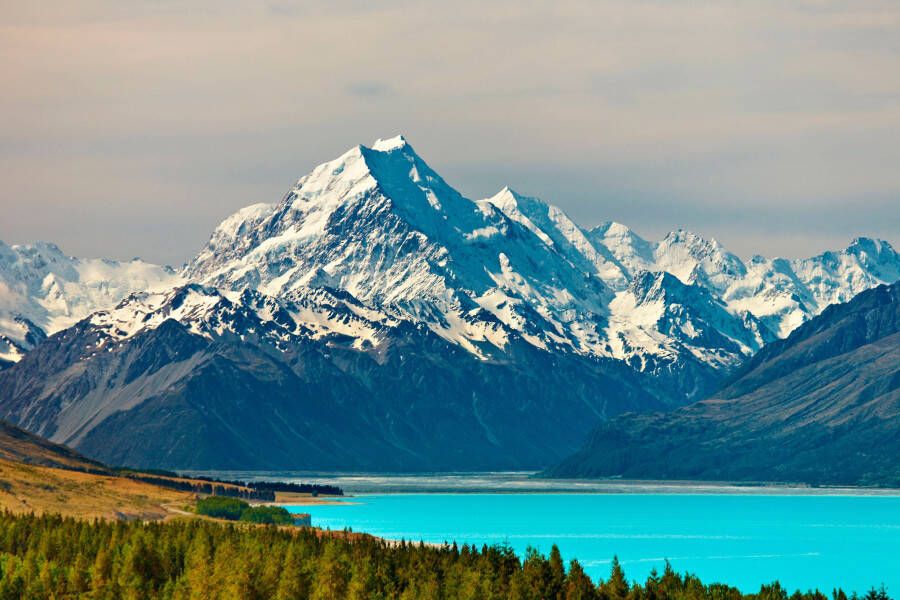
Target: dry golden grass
26, 488
42, 477
31, 488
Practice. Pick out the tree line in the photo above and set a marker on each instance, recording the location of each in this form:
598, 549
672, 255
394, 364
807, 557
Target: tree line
208, 488
59, 557
299, 488
263, 491
257, 490
174, 481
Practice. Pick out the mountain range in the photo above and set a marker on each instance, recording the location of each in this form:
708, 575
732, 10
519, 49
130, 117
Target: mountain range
375, 318
822, 407
43, 291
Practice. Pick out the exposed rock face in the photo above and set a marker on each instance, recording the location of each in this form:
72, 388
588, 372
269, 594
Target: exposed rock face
211, 383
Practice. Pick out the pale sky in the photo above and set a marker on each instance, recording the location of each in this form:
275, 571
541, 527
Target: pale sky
130, 130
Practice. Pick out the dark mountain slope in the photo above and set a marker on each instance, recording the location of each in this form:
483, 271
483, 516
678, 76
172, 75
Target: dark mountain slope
822, 406
197, 395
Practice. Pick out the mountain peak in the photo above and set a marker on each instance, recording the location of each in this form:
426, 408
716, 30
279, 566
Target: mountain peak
611, 229
508, 191
381, 225
40, 248
683, 236
871, 246
506, 198
653, 285
386, 145
234, 224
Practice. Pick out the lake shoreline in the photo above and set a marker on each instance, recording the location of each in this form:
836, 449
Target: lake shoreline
523, 482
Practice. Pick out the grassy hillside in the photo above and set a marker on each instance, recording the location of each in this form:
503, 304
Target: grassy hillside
20, 446
42, 477
26, 488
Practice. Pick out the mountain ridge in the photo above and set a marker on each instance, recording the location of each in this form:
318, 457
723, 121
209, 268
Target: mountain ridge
820, 407
43, 290
451, 262
376, 288
438, 272
211, 383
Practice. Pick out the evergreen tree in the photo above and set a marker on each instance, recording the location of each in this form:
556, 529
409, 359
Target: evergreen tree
331, 575
198, 567
232, 572
536, 571
773, 591
616, 587
294, 583
578, 585
879, 594
556, 575
362, 583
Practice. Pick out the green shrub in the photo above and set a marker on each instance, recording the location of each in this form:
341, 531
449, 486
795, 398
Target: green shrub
273, 515
233, 509
220, 507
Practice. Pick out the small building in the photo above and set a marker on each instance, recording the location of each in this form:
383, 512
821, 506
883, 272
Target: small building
302, 520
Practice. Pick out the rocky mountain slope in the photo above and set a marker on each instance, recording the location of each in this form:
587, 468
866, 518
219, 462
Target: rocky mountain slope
822, 407
207, 382
375, 315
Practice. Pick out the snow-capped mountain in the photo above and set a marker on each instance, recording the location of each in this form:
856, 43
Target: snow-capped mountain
306, 314
197, 378
786, 293
821, 407
781, 293
43, 291
374, 317
381, 225
19, 335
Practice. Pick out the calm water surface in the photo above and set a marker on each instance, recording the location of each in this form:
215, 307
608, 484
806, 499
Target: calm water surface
805, 541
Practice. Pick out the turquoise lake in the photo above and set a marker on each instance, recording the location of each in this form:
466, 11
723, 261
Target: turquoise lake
804, 541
